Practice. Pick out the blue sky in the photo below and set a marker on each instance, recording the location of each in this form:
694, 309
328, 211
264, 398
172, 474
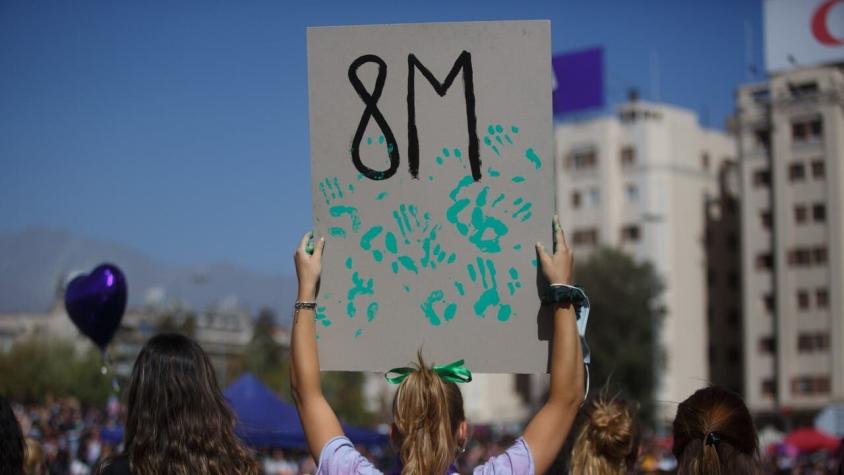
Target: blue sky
181, 128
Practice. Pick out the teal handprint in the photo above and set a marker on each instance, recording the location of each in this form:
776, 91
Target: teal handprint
429, 307
485, 225
415, 247
490, 296
334, 196
361, 291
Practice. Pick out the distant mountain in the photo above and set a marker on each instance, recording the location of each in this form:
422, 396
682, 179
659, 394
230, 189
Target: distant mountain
34, 262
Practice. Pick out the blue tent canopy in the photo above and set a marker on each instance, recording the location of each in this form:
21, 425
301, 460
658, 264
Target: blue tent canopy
264, 420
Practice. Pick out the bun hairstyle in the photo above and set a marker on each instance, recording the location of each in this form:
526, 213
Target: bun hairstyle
608, 441
427, 412
714, 435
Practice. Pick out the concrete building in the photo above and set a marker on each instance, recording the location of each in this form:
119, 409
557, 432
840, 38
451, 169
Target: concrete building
791, 145
222, 334
641, 181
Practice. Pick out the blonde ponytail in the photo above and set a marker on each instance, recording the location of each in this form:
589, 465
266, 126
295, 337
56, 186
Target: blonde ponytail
427, 412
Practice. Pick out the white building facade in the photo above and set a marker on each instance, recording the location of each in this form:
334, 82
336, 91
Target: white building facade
640, 181
791, 147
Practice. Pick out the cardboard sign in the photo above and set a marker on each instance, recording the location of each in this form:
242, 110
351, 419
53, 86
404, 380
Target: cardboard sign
432, 178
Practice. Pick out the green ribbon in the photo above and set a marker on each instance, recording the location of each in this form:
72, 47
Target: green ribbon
453, 372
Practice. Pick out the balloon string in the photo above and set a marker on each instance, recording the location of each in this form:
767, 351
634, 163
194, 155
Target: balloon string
115, 387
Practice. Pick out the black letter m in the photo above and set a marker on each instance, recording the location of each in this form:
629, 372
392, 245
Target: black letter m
464, 62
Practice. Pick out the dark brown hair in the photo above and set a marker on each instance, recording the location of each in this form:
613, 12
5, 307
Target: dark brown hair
178, 421
427, 412
714, 434
608, 441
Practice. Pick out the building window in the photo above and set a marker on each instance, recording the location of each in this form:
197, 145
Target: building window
585, 236
804, 89
767, 345
766, 218
764, 261
818, 169
628, 156
810, 385
806, 130
812, 342
796, 172
822, 298
582, 160
769, 387
802, 299
631, 192
819, 212
594, 198
761, 178
820, 255
762, 138
769, 302
800, 257
761, 96
630, 233
704, 160
800, 214
575, 199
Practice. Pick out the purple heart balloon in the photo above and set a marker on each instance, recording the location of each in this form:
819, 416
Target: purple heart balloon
96, 302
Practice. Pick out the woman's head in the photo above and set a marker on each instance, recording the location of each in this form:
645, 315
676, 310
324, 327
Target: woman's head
608, 441
178, 421
714, 434
429, 426
11, 441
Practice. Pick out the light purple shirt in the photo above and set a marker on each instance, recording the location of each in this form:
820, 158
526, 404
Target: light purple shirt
339, 457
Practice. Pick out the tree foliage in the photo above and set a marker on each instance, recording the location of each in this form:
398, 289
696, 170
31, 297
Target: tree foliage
41, 366
624, 324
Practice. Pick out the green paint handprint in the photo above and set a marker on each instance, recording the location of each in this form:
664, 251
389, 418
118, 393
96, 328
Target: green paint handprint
479, 217
415, 247
490, 296
429, 307
334, 196
362, 289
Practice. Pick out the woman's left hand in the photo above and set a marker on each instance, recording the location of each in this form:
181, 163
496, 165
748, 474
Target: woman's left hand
308, 267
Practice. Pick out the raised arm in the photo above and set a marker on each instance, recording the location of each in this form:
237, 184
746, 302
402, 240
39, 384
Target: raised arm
547, 431
318, 419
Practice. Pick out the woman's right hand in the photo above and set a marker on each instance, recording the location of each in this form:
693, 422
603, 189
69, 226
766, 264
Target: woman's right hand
557, 267
308, 267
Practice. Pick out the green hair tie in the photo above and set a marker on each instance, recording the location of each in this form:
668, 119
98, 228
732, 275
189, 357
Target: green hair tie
453, 372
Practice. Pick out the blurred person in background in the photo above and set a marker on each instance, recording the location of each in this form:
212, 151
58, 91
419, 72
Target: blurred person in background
714, 435
608, 441
178, 421
277, 464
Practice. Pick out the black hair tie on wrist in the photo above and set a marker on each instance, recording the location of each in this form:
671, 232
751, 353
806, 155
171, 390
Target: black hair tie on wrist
712, 438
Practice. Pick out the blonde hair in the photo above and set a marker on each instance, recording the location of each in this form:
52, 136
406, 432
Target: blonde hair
608, 441
427, 412
33, 462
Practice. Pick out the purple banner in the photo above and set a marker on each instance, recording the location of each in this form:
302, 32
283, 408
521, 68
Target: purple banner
579, 80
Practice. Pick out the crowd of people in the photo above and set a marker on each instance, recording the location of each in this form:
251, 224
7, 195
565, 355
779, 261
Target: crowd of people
176, 420
63, 437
